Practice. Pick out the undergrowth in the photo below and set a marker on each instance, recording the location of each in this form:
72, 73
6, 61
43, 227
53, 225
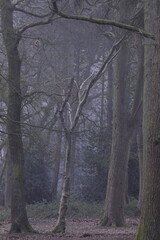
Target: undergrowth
76, 209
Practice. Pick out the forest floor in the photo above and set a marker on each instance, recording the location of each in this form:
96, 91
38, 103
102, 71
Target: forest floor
76, 229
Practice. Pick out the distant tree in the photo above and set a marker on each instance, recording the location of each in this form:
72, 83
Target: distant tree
37, 184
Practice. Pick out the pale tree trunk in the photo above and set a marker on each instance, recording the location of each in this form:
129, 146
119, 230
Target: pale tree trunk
149, 227
73, 156
69, 131
19, 218
56, 165
60, 225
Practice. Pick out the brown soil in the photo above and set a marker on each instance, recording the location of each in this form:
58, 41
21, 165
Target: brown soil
82, 229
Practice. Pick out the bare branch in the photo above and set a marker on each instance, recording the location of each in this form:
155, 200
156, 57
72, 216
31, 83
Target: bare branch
41, 92
18, 2
128, 27
40, 23
32, 14
113, 52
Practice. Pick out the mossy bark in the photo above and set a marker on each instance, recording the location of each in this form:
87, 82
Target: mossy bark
11, 40
149, 227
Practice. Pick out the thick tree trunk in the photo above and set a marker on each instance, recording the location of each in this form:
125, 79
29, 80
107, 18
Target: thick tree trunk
18, 211
150, 210
115, 197
61, 222
123, 127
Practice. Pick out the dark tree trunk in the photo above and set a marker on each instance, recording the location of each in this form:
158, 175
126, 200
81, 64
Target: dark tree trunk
18, 211
149, 227
8, 181
121, 137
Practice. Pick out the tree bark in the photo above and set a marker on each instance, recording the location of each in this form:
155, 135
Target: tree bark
150, 210
115, 196
140, 158
61, 223
56, 165
11, 40
8, 181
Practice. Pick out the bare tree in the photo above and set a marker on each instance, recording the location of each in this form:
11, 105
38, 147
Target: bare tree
12, 37
69, 131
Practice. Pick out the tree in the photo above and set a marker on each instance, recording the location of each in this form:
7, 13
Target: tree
123, 126
11, 38
150, 208
83, 92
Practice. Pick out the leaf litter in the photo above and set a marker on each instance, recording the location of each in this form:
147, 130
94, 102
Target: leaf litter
76, 229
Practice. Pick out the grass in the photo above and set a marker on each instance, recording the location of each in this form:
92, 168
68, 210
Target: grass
76, 209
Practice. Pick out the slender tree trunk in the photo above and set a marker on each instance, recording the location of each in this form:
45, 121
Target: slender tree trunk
73, 156
140, 158
18, 211
56, 165
61, 222
150, 209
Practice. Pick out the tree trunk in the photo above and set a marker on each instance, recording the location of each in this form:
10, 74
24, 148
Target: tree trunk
140, 158
123, 127
115, 197
61, 222
150, 209
73, 156
56, 165
8, 181
18, 211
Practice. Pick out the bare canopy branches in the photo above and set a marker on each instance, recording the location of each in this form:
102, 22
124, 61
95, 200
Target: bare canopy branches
128, 27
